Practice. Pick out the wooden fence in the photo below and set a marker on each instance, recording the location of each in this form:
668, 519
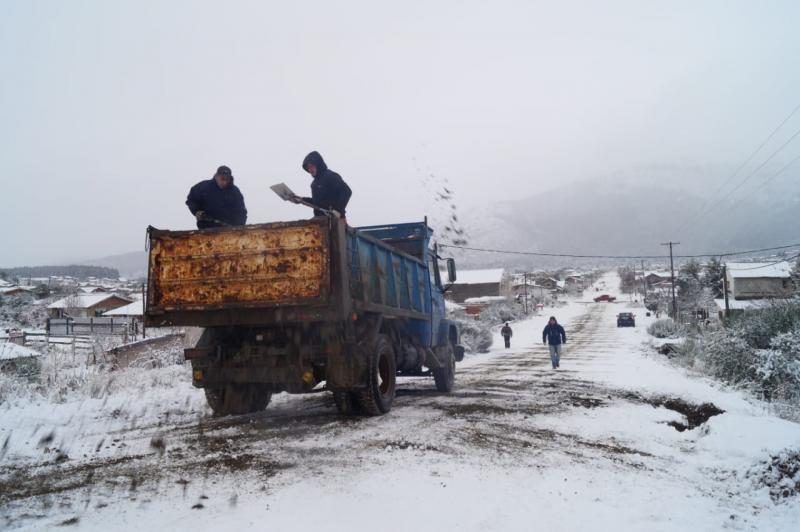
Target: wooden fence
93, 326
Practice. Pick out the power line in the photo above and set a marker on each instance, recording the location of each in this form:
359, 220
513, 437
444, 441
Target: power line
770, 178
745, 163
767, 265
689, 225
575, 256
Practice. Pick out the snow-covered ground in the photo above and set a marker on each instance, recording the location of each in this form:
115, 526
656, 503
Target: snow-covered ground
517, 446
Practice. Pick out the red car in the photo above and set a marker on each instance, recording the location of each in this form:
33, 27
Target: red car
605, 297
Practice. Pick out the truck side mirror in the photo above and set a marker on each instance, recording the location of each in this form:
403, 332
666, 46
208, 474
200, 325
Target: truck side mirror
451, 271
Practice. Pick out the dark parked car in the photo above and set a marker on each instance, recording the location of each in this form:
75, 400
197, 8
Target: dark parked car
626, 319
605, 297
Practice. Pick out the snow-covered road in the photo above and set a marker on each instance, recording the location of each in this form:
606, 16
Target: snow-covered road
517, 446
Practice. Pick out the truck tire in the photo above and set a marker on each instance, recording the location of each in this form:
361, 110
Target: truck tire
445, 377
381, 379
236, 399
346, 403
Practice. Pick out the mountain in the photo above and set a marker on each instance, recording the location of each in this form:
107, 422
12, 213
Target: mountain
132, 265
621, 217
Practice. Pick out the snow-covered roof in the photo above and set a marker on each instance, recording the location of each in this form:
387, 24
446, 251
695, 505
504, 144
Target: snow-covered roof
10, 289
479, 276
483, 299
9, 351
92, 289
3, 282
743, 270
84, 300
134, 309
744, 304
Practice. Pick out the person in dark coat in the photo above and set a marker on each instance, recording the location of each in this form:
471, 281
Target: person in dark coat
217, 201
507, 334
328, 189
554, 335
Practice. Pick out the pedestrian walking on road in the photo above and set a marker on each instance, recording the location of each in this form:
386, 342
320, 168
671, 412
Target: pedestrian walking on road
507, 334
217, 202
554, 335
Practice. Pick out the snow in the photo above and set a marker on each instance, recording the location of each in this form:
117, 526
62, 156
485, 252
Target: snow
134, 309
479, 276
11, 289
9, 351
743, 304
484, 299
517, 446
83, 300
741, 270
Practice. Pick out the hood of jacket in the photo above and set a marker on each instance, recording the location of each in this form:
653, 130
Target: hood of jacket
316, 159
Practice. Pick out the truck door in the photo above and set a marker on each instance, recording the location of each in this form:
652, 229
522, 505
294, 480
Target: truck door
437, 297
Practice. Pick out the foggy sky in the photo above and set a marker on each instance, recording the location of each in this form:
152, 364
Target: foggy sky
111, 111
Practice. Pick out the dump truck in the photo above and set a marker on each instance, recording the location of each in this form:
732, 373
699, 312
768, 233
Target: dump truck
305, 306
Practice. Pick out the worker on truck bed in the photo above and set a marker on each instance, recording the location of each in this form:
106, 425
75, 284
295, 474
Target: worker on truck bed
328, 189
217, 202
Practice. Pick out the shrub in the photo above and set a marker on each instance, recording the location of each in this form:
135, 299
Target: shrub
475, 336
666, 328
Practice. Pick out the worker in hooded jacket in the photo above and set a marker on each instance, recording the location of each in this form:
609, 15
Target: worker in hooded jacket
328, 189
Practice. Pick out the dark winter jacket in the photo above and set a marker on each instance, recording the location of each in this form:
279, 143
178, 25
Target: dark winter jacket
328, 190
224, 204
506, 331
554, 334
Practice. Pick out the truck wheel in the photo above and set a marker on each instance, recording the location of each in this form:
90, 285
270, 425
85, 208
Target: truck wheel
445, 377
381, 381
346, 403
236, 399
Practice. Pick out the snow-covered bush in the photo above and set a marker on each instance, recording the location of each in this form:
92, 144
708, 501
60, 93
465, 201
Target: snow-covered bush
759, 350
476, 333
666, 328
476, 337
726, 355
759, 327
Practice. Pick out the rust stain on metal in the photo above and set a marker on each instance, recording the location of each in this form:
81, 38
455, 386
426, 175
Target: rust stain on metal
265, 264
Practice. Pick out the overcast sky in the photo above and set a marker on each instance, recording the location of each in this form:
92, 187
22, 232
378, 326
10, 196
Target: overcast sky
111, 110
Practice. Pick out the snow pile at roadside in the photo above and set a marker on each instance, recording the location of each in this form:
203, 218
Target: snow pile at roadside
9, 351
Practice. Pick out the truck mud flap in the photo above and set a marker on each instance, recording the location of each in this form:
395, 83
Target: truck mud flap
347, 371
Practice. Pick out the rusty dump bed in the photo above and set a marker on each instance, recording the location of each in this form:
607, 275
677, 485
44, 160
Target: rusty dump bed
253, 266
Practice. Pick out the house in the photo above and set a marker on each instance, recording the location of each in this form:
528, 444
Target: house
758, 280
752, 285
476, 283
547, 282
93, 290
86, 305
533, 290
133, 310
15, 291
654, 278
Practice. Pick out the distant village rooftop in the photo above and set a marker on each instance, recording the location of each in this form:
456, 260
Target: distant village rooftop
753, 270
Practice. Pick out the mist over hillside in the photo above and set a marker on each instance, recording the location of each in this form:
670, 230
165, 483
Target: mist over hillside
620, 216
132, 265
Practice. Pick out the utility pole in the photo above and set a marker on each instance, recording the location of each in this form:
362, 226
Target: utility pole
672, 276
633, 292
644, 284
525, 277
725, 289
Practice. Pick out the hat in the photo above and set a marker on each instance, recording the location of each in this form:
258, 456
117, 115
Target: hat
224, 170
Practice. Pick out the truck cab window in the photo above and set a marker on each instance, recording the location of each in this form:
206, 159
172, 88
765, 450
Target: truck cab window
436, 276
